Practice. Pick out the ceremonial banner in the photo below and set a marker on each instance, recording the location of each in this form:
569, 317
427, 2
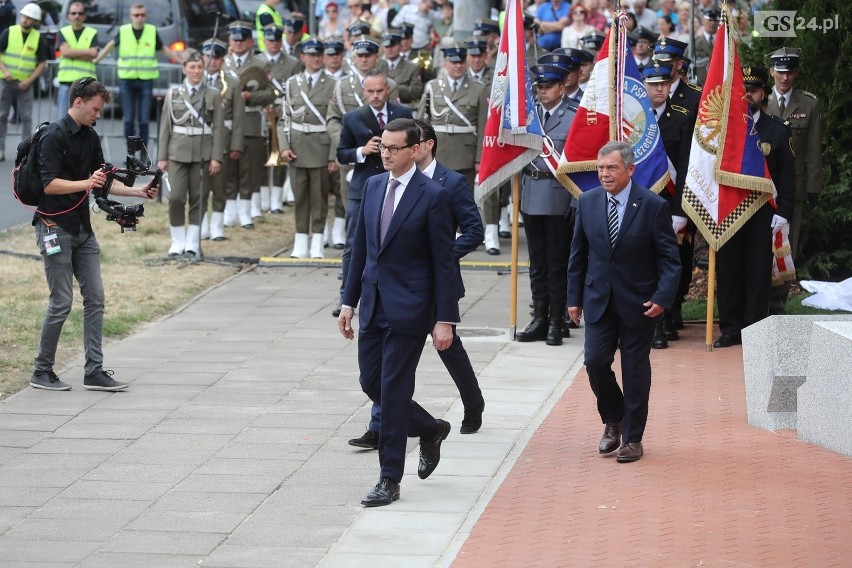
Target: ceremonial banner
602, 109
513, 133
727, 179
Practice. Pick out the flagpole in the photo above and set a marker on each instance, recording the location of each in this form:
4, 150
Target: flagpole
711, 299
513, 294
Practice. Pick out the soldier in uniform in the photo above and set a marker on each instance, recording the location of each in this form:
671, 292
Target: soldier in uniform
801, 111
333, 63
488, 30
456, 108
592, 44
643, 50
402, 71
676, 125
224, 194
256, 94
530, 31
293, 25
744, 264
306, 145
548, 215
279, 67
704, 43
191, 140
477, 62
405, 49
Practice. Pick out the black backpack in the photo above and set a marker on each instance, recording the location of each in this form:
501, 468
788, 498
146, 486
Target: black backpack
27, 185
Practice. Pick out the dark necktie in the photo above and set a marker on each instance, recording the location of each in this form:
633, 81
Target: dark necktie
387, 209
381, 118
455, 86
613, 220
712, 38
546, 115
782, 104
655, 112
192, 92
310, 81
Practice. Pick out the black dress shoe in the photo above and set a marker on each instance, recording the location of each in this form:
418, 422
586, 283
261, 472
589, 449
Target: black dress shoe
659, 341
384, 493
629, 452
554, 333
430, 450
369, 441
339, 246
248, 226
217, 239
611, 439
504, 234
493, 251
727, 340
472, 421
336, 311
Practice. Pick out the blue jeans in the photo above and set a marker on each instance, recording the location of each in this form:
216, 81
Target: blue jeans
136, 96
80, 259
62, 103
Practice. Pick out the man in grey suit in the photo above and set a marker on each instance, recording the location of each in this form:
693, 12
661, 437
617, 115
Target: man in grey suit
546, 206
623, 272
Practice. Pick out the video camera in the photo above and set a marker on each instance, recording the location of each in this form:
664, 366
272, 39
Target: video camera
127, 216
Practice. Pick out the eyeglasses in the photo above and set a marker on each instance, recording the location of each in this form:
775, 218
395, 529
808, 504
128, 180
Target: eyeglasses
394, 150
76, 13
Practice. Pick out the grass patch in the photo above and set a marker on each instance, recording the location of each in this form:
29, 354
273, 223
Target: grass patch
697, 309
141, 285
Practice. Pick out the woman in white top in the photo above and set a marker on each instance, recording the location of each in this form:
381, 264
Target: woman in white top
578, 27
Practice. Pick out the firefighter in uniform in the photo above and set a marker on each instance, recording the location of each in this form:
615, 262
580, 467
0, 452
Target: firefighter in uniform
256, 93
456, 107
402, 71
801, 110
676, 125
548, 214
279, 67
224, 186
190, 147
307, 146
78, 48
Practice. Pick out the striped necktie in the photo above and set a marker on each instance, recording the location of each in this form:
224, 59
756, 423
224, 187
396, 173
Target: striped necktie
613, 220
387, 209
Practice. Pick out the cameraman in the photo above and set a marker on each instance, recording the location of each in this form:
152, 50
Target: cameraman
69, 153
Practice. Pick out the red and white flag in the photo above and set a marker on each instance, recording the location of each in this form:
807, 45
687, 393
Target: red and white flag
513, 133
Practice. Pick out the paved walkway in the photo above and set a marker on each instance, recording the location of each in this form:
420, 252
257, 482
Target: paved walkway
229, 450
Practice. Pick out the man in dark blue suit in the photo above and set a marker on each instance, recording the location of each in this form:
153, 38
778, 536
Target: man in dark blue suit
403, 272
466, 217
623, 272
360, 136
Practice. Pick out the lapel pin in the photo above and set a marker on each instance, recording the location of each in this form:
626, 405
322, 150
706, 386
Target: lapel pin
635, 205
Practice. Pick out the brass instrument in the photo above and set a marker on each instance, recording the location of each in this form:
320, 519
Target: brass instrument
424, 60
275, 158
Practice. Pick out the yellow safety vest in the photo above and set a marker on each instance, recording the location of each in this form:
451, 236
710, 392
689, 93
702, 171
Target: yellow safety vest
137, 59
72, 69
276, 19
20, 56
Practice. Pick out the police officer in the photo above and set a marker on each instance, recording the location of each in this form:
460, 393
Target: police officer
570, 59
191, 140
456, 107
676, 126
404, 73
224, 185
249, 70
801, 110
548, 215
306, 145
23, 57
704, 43
78, 47
279, 67
744, 264
266, 15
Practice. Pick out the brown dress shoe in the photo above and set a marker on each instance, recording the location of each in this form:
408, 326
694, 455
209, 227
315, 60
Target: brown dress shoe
629, 452
611, 439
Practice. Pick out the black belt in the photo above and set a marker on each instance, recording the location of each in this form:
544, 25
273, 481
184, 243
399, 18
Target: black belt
538, 174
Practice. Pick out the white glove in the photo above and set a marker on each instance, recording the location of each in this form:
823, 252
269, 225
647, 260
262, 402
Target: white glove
778, 222
678, 223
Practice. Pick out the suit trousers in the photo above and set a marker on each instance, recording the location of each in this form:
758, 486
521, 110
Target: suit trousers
251, 166
185, 183
457, 362
549, 243
310, 189
388, 362
629, 406
687, 250
353, 207
744, 274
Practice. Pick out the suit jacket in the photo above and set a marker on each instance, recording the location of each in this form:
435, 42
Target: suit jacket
314, 149
465, 216
802, 114
773, 132
186, 148
412, 272
549, 196
459, 151
643, 265
358, 127
676, 126
349, 96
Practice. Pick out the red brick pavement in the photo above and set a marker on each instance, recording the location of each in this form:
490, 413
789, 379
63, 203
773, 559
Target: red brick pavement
710, 490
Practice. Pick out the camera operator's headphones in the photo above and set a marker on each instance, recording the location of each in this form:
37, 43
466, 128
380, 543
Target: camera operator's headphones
85, 82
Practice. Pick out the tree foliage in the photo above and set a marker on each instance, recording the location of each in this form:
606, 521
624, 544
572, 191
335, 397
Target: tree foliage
825, 245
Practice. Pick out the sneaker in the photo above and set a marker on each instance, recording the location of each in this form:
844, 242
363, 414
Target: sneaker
48, 380
102, 380
369, 441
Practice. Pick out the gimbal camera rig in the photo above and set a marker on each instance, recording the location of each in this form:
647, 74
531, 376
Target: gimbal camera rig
127, 216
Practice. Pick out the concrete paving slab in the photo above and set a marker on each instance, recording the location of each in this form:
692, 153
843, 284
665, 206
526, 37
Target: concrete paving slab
120, 511
18, 496
112, 470
237, 556
23, 551
115, 489
140, 560
188, 521
163, 542
94, 529
21, 438
204, 502
200, 483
